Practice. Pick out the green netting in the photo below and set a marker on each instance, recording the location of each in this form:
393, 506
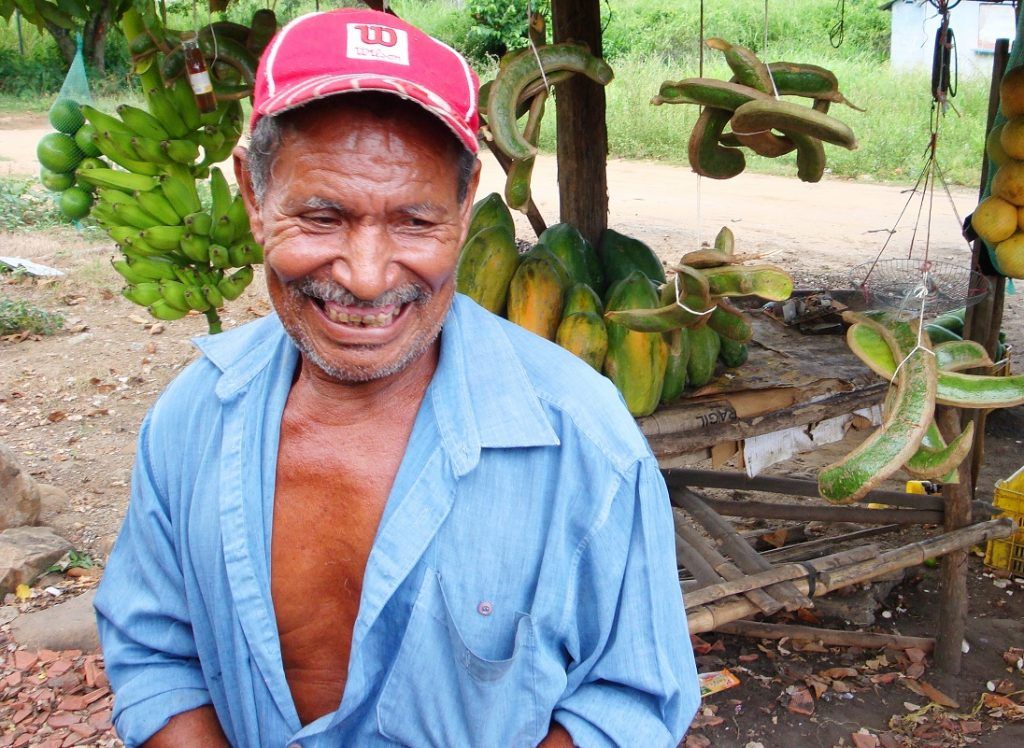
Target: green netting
1016, 60
64, 113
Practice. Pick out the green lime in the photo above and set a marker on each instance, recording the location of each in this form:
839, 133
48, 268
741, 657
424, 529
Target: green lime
85, 140
55, 181
66, 116
75, 203
57, 151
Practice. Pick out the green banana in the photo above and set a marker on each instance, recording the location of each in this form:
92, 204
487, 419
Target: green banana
152, 268
142, 294
185, 103
149, 149
181, 194
166, 238
195, 299
239, 218
232, 286
103, 121
213, 295
245, 253
110, 195
137, 246
164, 311
220, 195
219, 256
142, 123
199, 223
129, 273
196, 247
222, 232
158, 206
122, 234
164, 111
118, 148
180, 151
133, 215
173, 293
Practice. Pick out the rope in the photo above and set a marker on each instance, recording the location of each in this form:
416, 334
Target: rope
533, 47
682, 304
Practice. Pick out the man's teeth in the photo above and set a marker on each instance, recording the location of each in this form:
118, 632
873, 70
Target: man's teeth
364, 320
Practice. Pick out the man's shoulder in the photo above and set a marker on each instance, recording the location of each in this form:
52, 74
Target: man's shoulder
574, 395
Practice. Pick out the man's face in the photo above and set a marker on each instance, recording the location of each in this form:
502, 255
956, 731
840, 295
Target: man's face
361, 228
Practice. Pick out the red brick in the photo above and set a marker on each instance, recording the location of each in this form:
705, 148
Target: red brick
21, 714
94, 696
83, 729
46, 656
62, 720
72, 703
101, 720
58, 668
14, 679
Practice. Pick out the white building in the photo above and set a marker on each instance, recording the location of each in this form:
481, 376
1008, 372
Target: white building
976, 26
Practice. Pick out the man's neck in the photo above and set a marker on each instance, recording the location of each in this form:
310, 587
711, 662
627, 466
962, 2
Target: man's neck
321, 399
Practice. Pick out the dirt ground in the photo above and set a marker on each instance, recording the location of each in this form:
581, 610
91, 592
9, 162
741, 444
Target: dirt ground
70, 406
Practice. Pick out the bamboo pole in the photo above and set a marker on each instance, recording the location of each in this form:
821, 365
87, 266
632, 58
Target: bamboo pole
810, 548
695, 564
689, 478
859, 514
828, 637
537, 222
709, 617
746, 558
728, 571
782, 573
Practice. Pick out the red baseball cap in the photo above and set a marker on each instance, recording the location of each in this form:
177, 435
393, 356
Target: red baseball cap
337, 51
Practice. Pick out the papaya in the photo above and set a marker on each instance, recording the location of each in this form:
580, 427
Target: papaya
635, 361
620, 255
535, 295
939, 334
581, 298
490, 211
952, 321
678, 343
576, 253
732, 353
585, 335
486, 266
704, 346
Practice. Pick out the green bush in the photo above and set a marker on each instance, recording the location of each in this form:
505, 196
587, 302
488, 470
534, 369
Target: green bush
500, 25
20, 316
24, 204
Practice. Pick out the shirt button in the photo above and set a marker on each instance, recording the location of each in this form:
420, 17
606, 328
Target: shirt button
485, 608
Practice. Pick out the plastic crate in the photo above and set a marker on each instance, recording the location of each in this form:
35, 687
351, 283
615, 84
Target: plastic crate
1008, 553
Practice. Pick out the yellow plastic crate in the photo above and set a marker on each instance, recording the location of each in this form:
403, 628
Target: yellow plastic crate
1009, 553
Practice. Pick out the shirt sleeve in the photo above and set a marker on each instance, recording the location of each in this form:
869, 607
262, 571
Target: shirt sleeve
148, 645
633, 680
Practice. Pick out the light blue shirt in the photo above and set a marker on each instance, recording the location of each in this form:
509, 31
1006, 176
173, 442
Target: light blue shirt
523, 571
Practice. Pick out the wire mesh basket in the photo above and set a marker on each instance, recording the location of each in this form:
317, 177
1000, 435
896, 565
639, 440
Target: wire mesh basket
906, 284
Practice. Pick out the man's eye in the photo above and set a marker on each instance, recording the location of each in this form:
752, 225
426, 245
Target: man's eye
321, 219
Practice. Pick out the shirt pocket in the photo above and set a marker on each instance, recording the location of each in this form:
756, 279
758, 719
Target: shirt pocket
440, 693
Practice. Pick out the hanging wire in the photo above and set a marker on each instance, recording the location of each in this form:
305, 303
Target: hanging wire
533, 47
837, 33
765, 47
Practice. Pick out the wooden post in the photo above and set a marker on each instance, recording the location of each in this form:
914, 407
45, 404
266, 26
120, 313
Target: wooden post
980, 320
582, 132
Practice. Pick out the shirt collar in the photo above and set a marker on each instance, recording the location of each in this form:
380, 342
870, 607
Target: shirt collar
481, 393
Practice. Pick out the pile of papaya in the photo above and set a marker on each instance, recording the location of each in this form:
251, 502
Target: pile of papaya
520, 87
923, 373
749, 111
613, 306
999, 218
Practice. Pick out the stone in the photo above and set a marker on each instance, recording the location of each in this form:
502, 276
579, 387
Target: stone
69, 625
54, 503
26, 553
19, 493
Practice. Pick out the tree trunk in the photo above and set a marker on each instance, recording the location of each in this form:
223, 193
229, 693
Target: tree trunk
65, 41
94, 37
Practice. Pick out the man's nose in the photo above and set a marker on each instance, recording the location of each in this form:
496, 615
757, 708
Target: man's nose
364, 264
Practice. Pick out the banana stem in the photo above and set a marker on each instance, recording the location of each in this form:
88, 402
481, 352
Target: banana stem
213, 321
132, 25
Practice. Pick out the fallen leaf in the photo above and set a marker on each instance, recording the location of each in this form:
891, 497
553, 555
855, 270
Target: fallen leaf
915, 654
696, 741
801, 702
938, 696
915, 671
910, 706
56, 416
864, 740
839, 672
884, 678
820, 686
749, 657
1005, 687
23, 592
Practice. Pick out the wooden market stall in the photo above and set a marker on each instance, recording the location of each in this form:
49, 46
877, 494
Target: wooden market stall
727, 581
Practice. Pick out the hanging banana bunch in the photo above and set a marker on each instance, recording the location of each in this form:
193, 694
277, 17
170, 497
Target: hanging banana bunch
179, 254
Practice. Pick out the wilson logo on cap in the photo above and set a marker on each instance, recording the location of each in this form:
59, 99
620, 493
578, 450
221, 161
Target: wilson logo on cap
378, 43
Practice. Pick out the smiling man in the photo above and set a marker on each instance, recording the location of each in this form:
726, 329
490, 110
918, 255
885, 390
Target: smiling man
383, 515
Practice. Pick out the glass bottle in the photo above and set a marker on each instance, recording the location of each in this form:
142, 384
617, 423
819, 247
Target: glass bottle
198, 76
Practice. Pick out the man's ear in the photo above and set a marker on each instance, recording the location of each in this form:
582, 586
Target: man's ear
241, 161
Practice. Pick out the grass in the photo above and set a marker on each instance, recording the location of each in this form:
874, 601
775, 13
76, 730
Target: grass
25, 204
648, 41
